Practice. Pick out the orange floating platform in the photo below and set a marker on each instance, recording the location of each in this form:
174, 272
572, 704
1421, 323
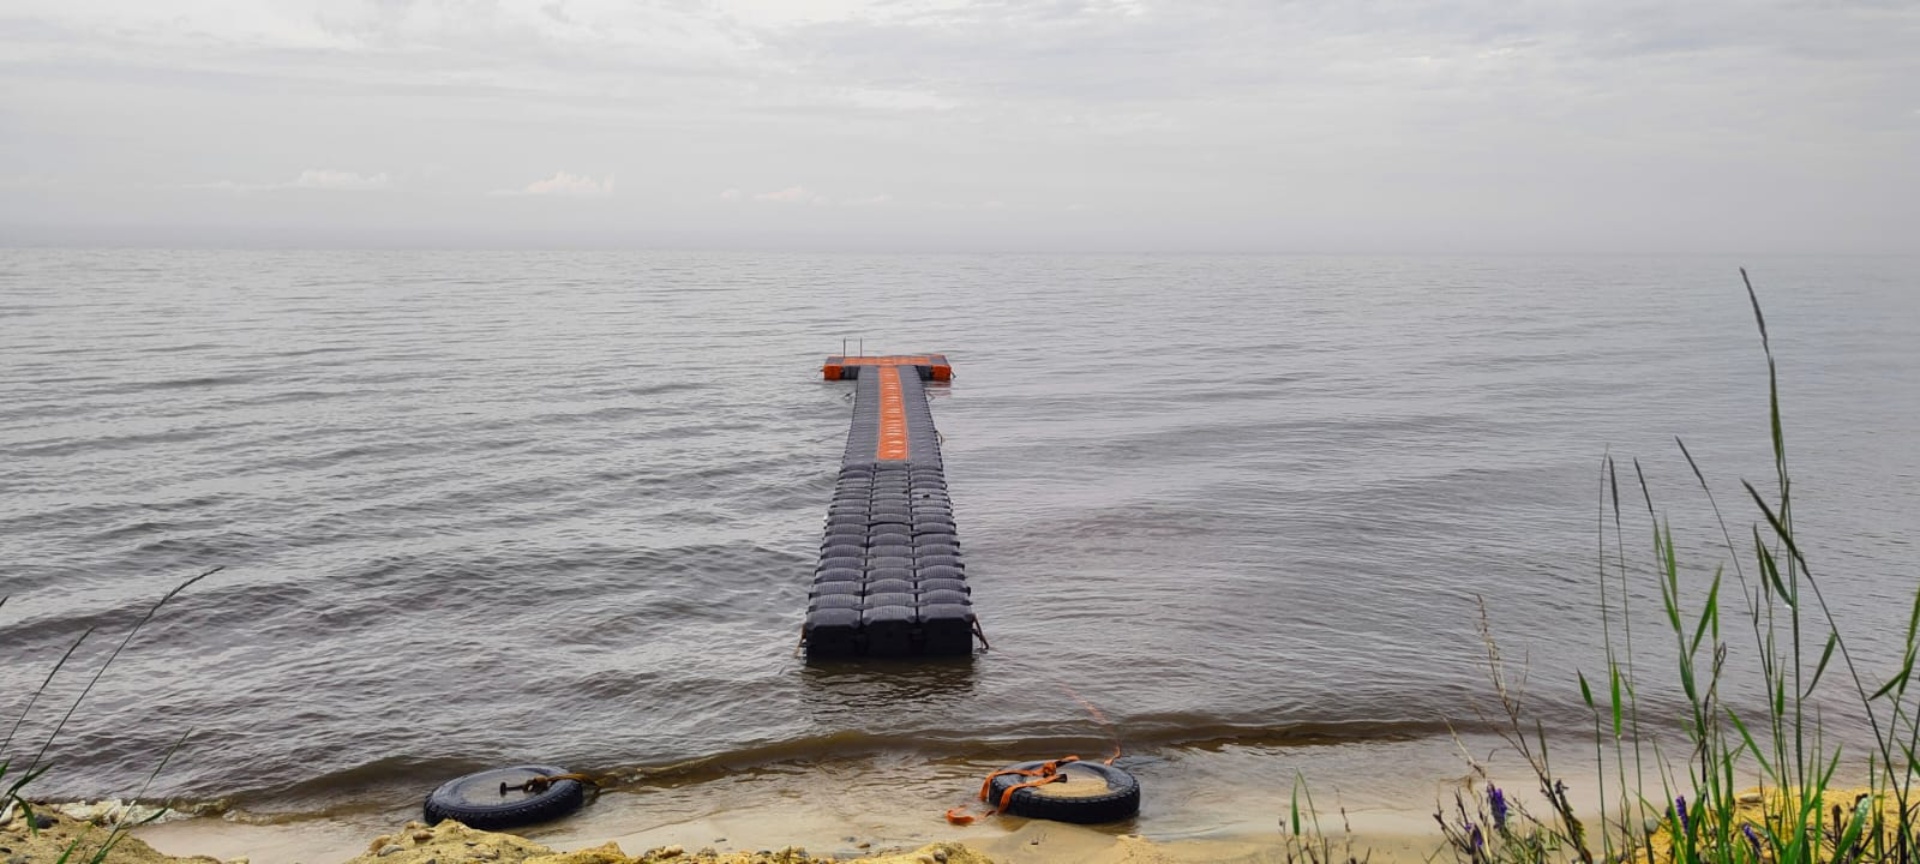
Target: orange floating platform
931, 367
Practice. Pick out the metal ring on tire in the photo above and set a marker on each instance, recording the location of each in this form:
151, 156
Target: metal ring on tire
495, 799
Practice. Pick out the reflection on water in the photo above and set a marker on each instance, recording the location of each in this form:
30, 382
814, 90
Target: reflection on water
881, 685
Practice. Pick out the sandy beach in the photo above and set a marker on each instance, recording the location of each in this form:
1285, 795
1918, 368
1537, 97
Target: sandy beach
1225, 803
749, 836
1009, 841
1013, 841
1219, 803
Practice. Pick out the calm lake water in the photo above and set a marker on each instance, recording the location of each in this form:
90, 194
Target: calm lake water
484, 508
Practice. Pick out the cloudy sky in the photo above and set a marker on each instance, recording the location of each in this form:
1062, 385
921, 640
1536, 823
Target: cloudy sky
1242, 125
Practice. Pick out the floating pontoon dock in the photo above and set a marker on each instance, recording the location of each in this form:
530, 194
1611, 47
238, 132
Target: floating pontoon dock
890, 581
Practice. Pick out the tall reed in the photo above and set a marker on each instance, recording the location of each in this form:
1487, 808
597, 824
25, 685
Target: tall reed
13, 792
1699, 810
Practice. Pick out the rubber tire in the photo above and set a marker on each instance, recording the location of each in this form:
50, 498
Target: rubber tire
451, 800
1122, 800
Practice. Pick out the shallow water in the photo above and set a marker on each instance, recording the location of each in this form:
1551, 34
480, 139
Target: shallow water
481, 508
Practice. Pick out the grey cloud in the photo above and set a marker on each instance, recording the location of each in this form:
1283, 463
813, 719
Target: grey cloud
1267, 123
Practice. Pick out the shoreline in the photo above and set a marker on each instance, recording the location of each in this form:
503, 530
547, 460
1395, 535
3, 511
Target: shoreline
1222, 801
1011, 841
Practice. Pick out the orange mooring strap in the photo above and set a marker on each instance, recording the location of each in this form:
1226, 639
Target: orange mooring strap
1044, 773
1006, 798
1045, 769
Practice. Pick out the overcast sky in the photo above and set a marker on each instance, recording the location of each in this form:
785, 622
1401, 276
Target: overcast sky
1265, 125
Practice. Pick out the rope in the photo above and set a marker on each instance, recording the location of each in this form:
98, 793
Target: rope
1098, 718
981, 635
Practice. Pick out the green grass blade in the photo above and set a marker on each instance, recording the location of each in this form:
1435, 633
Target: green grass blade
1898, 683
1913, 620
1613, 478
1771, 568
1861, 811
1614, 683
1773, 379
1826, 655
1766, 768
119, 831
28, 776
1645, 494
1709, 615
1758, 317
1898, 680
43, 687
1780, 528
67, 853
1294, 802
1313, 813
151, 611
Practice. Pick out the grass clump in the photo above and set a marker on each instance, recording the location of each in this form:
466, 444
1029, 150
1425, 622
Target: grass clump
1752, 786
15, 779
1306, 842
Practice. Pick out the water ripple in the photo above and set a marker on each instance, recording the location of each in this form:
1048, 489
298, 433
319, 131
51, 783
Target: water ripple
489, 507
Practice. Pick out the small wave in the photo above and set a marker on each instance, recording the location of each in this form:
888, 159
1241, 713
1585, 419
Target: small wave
177, 349
402, 776
311, 352
73, 446
653, 389
115, 811
196, 382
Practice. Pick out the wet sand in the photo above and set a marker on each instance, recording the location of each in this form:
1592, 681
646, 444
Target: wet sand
1227, 802
1199, 804
1009, 841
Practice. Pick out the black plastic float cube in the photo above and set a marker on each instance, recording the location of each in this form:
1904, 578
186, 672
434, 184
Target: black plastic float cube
889, 629
833, 633
946, 629
876, 586
942, 597
835, 601
928, 586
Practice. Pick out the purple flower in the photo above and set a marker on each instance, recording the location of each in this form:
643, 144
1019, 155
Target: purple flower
1498, 800
1479, 840
1752, 838
1680, 807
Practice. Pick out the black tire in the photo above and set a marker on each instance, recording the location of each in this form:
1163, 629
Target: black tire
477, 802
1120, 801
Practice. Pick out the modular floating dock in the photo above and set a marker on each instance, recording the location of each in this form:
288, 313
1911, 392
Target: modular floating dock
890, 581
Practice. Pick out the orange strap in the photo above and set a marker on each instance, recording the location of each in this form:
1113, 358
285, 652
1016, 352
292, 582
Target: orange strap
1044, 773
1006, 798
1045, 769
